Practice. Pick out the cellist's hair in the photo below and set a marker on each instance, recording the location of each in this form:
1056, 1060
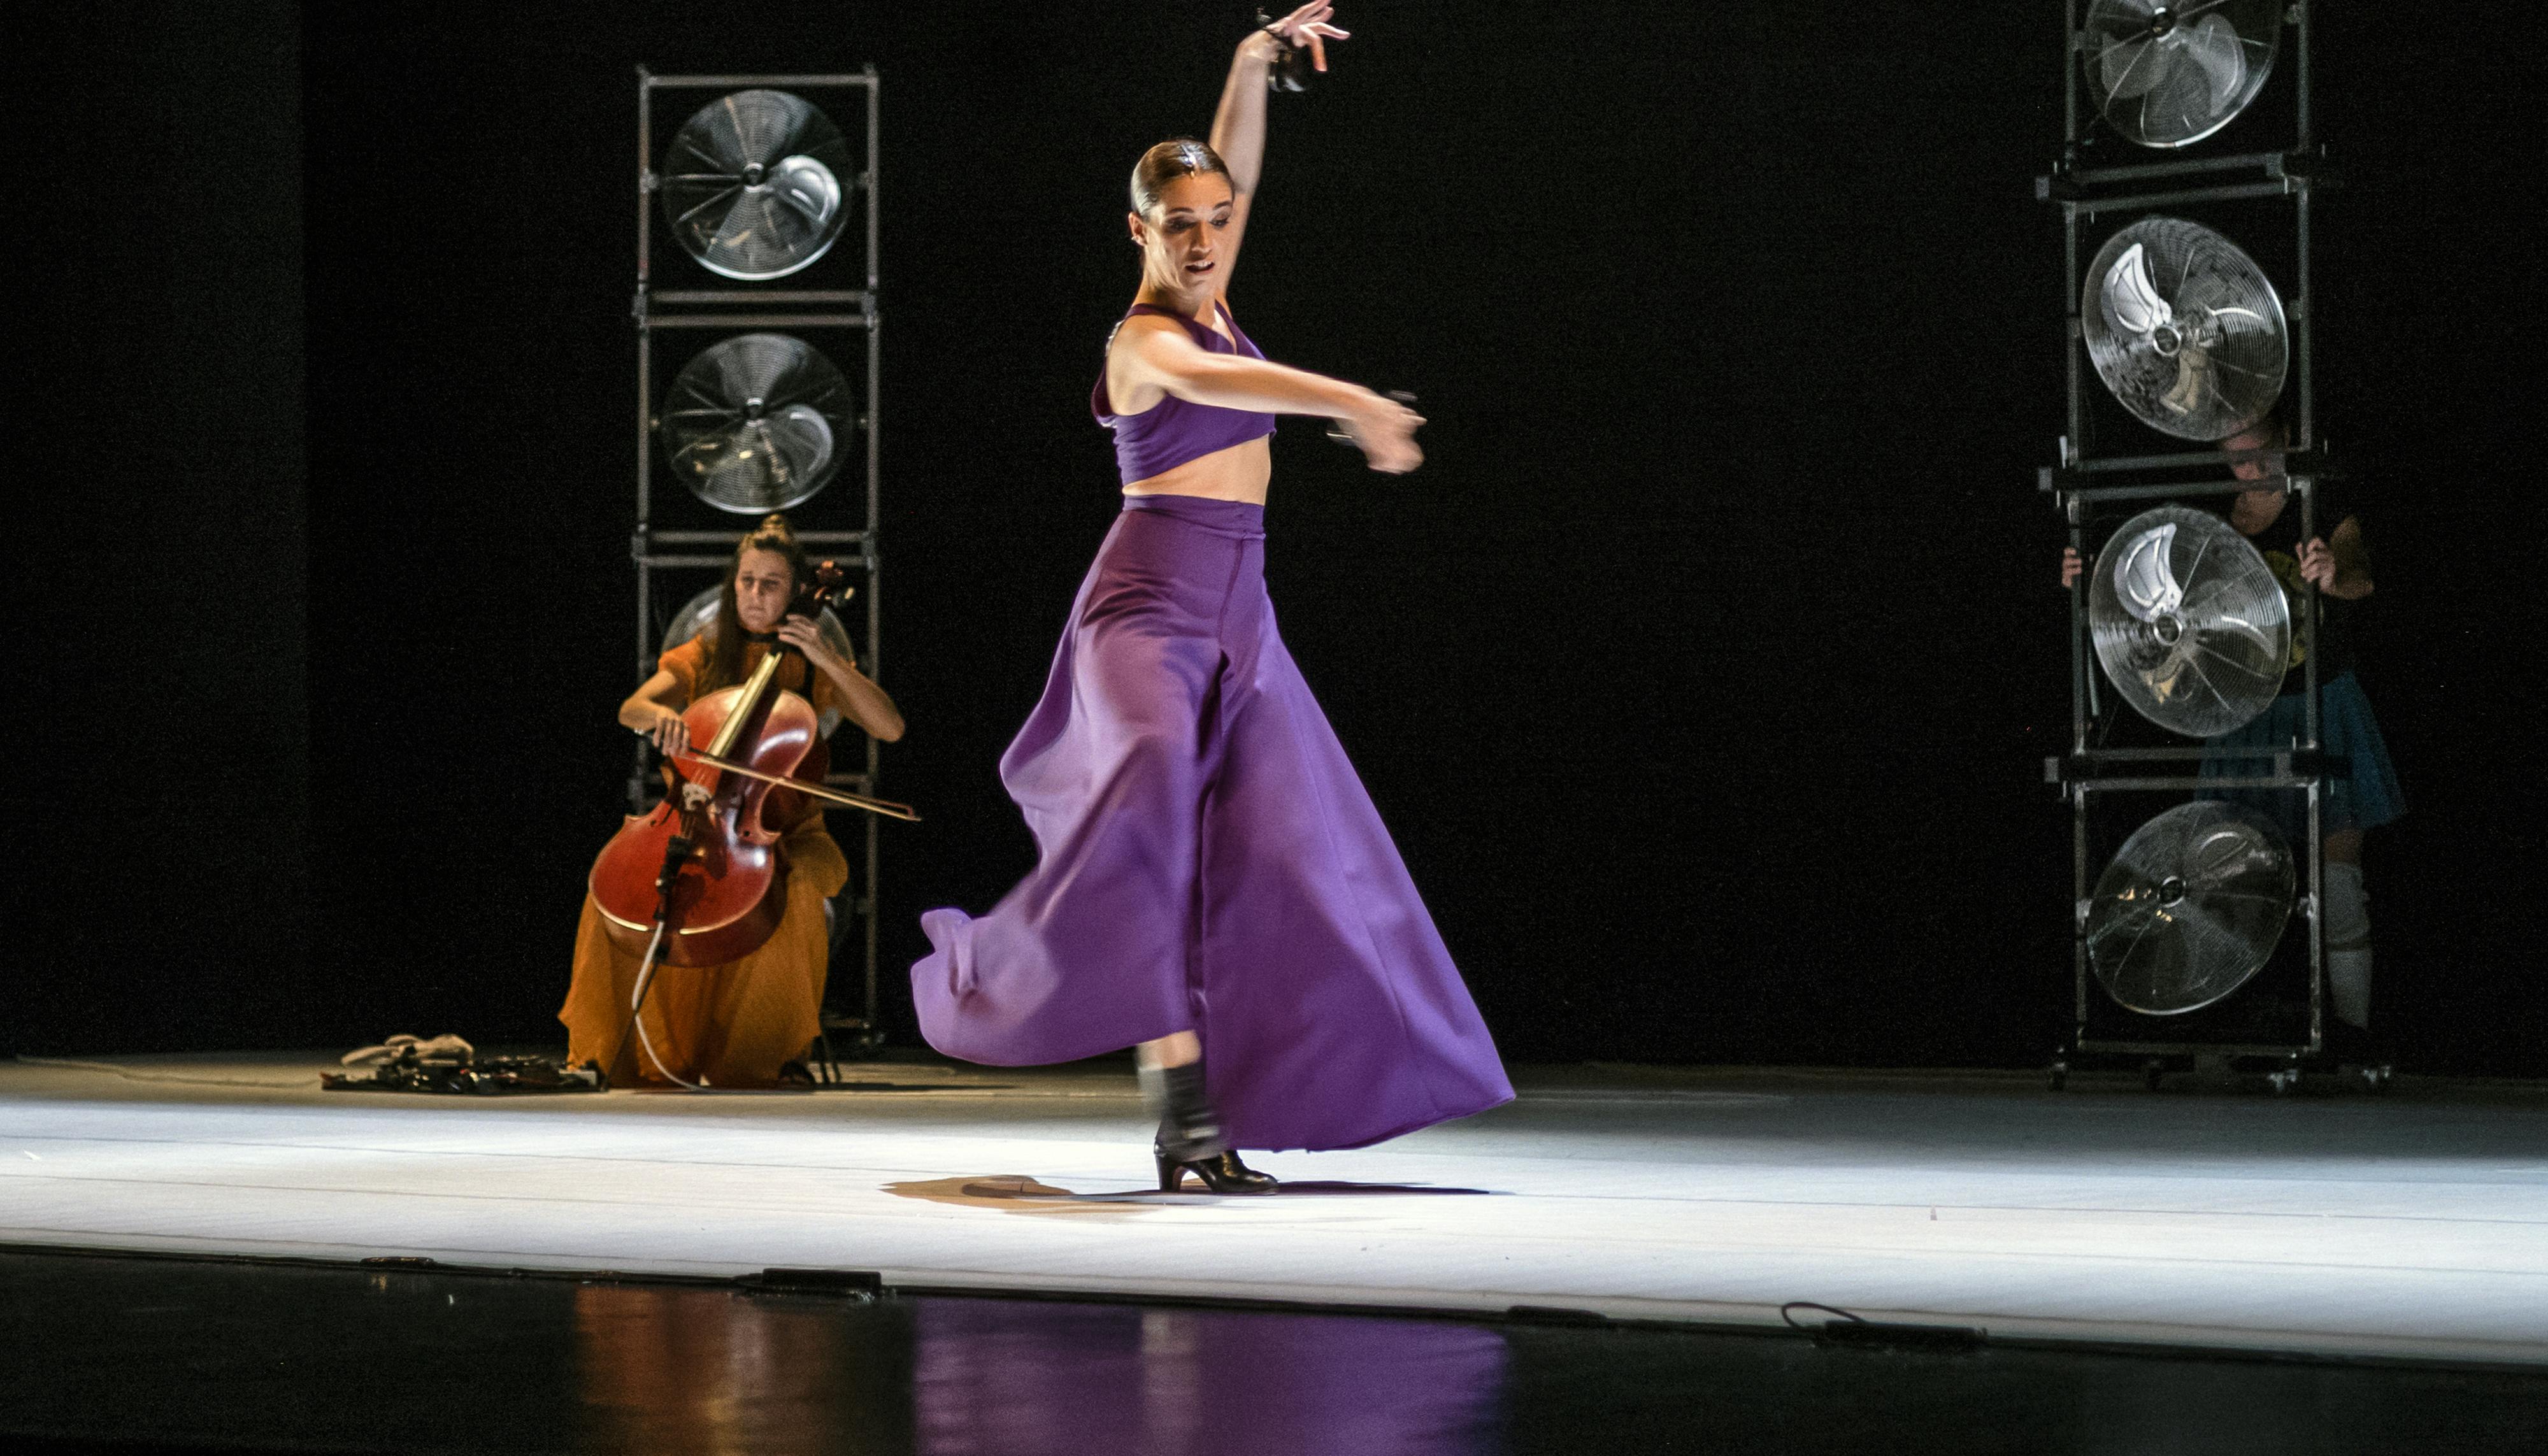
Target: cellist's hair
726, 637
1178, 156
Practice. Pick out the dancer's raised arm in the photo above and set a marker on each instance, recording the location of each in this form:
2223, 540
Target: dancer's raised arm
1238, 125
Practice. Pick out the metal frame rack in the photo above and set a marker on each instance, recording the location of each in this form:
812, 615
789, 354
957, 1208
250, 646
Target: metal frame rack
2084, 480
740, 307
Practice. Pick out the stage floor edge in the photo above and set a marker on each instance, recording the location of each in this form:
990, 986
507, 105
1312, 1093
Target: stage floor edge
2331, 1224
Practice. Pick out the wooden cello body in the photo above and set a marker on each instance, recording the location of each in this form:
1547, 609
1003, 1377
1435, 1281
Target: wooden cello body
731, 886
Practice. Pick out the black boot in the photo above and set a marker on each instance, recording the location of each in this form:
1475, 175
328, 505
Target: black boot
1189, 1138
1222, 1173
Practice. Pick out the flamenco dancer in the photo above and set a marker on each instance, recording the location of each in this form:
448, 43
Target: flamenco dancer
1213, 884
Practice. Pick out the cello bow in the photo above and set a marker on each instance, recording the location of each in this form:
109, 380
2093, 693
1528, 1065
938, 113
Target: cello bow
887, 807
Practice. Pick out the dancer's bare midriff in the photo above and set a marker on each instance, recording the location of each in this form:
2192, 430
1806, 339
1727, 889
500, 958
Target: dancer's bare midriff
1238, 473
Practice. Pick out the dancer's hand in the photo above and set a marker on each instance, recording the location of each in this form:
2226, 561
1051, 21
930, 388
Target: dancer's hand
1308, 26
1385, 431
2317, 565
2071, 567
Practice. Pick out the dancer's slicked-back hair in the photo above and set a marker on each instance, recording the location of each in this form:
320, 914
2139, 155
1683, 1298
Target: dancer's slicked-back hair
1178, 156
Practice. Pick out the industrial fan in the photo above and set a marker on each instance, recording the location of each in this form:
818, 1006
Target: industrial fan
2192, 905
2192, 625
700, 613
751, 184
756, 423
2170, 75
2185, 329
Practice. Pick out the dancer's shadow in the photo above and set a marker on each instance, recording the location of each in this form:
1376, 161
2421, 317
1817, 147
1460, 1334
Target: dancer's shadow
909, 1087
1330, 1190
1016, 1193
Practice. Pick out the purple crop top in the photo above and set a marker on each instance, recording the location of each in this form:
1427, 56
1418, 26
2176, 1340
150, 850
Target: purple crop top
1174, 431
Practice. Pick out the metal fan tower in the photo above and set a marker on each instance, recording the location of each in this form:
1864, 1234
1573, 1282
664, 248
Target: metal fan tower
829, 294
2126, 157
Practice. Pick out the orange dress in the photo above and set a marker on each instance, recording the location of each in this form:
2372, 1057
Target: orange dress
732, 1025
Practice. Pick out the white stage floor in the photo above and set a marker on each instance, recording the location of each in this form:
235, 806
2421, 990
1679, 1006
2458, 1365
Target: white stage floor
2414, 1224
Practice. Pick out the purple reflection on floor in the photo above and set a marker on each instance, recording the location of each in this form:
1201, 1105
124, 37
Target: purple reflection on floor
998, 1379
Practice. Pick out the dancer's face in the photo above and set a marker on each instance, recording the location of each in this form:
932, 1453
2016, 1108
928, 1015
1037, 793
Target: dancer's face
1181, 241
763, 587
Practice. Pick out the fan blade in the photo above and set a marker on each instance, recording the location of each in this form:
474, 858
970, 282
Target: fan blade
759, 122
2212, 45
801, 437
2132, 66
2142, 578
684, 218
2193, 380
760, 366
809, 187
2131, 297
734, 230
2217, 856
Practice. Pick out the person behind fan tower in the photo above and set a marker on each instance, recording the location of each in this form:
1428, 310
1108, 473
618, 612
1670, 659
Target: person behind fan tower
2363, 794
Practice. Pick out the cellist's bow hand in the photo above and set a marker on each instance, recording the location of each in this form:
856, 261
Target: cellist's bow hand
672, 734
806, 636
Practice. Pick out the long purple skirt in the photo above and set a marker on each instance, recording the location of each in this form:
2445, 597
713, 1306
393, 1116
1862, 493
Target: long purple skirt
1208, 861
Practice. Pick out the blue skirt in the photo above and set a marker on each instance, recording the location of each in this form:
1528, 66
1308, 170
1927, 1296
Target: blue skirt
2365, 795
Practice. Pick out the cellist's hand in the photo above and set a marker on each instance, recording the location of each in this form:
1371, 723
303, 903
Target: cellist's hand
806, 636
672, 734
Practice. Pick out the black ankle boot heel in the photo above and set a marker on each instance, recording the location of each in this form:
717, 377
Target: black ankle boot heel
1221, 1173
1190, 1138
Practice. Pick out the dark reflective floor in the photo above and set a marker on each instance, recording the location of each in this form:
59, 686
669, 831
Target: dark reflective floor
111, 1352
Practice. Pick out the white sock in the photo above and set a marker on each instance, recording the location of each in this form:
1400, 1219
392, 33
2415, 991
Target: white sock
2345, 920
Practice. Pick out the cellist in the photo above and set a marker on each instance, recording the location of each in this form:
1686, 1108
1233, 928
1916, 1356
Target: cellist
736, 1025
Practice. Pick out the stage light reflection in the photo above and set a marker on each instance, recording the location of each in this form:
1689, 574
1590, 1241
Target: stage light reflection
991, 1379
678, 1370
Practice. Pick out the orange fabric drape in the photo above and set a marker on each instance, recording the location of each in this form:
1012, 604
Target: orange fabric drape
733, 1024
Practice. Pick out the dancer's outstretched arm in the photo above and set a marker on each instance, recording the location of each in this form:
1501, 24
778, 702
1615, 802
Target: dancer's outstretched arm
1238, 125
1159, 351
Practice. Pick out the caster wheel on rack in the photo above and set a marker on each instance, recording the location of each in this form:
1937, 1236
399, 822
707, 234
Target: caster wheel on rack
2151, 1071
2283, 1080
2376, 1078
2059, 1076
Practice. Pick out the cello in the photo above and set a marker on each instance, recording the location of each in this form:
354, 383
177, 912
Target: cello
700, 880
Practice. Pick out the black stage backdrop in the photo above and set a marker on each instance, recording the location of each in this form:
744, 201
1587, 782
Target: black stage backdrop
1703, 674
158, 514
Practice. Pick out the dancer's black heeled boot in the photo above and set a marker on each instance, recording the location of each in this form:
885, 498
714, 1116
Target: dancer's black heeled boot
1190, 1138
1222, 1173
